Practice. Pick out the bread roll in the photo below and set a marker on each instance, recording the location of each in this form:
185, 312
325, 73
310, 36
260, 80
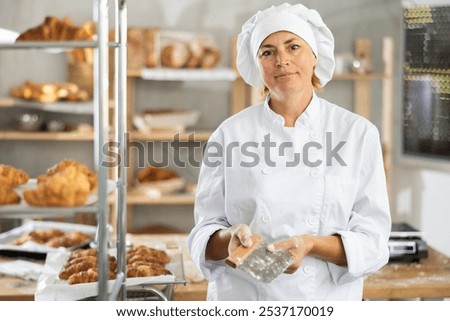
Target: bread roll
175, 55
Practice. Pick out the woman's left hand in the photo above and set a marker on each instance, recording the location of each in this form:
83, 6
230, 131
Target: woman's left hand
297, 248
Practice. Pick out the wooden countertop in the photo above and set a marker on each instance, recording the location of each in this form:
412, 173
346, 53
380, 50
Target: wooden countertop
428, 279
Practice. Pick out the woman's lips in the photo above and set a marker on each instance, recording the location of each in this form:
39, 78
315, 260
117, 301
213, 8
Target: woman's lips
287, 74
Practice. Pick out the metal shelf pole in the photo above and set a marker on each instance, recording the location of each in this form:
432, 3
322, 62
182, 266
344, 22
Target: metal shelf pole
102, 132
120, 77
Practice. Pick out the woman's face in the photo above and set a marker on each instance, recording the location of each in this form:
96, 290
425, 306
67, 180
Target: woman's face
286, 63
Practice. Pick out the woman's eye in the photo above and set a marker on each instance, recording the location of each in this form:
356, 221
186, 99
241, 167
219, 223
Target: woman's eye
295, 47
266, 53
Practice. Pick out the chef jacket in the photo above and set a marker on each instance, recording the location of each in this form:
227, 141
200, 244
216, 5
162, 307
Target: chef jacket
323, 176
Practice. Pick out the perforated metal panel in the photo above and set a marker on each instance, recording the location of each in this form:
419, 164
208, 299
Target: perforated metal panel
426, 82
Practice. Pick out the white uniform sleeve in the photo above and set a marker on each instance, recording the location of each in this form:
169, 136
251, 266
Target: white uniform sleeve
366, 237
209, 209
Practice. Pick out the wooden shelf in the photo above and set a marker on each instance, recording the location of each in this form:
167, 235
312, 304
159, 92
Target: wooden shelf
354, 76
45, 136
169, 136
173, 199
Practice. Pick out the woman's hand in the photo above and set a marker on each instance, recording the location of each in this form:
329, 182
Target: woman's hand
225, 241
240, 234
328, 248
297, 248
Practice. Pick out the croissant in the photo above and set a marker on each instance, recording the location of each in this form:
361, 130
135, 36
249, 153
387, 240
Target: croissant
145, 270
151, 174
77, 260
75, 268
11, 176
54, 29
23, 239
43, 236
68, 239
87, 276
150, 254
66, 188
156, 266
8, 195
90, 275
136, 258
81, 253
79, 168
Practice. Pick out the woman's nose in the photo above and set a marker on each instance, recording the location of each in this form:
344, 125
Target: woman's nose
282, 60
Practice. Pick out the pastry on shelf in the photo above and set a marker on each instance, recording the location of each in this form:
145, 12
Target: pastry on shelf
8, 195
54, 29
78, 167
154, 182
11, 177
190, 54
48, 92
211, 56
65, 188
153, 173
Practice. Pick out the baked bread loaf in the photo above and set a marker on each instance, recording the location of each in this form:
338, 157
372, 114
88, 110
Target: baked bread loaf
175, 55
211, 56
193, 54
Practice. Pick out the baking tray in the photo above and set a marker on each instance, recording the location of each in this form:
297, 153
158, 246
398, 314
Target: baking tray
51, 288
35, 250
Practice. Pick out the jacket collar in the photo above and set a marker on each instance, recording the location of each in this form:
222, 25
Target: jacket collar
306, 119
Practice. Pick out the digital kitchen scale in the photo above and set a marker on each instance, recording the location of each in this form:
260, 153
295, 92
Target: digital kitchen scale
406, 244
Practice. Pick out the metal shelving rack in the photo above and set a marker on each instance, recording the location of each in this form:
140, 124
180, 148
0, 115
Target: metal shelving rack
101, 116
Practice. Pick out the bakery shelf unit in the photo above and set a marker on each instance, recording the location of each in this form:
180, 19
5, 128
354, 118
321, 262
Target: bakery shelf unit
169, 75
101, 136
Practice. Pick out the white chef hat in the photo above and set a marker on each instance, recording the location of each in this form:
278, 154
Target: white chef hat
305, 23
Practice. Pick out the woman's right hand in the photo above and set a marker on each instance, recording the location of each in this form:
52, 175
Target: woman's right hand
225, 241
240, 234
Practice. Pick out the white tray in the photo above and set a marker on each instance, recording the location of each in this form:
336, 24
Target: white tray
51, 288
32, 249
